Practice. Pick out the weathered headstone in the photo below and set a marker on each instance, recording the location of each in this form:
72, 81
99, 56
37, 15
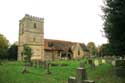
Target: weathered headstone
96, 62
80, 75
113, 63
72, 79
103, 61
48, 68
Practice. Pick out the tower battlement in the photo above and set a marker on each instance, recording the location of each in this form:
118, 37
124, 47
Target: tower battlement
27, 16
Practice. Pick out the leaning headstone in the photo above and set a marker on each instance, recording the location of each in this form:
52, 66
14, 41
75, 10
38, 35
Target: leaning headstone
80, 75
71, 79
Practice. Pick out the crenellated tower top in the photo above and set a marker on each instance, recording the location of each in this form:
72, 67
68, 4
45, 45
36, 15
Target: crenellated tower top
33, 18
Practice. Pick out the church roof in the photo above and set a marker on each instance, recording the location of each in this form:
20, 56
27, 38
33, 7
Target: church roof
50, 44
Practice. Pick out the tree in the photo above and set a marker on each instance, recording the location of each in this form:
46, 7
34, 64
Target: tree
92, 48
105, 50
12, 52
4, 43
114, 25
27, 52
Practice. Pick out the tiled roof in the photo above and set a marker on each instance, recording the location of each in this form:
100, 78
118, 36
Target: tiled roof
50, 44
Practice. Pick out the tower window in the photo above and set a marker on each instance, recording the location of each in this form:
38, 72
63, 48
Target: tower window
35, 25
78, 51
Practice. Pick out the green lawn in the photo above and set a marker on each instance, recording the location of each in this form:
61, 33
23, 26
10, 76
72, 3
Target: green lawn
10, 72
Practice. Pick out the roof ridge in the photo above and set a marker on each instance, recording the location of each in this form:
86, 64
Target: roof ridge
61, 40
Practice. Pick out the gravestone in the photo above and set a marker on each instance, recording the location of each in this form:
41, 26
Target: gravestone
96, 62
103, 61
91, 63
80, 74
81, 77
48, 67
113, 63
72, 79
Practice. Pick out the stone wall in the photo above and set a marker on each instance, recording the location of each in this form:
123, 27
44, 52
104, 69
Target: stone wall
31, 33
77, 51
51, 55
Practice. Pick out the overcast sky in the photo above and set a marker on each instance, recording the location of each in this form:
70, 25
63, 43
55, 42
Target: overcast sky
72, 20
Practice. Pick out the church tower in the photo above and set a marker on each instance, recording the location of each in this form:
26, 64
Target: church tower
31, 33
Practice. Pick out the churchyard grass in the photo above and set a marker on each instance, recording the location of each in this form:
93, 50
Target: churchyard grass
10, 72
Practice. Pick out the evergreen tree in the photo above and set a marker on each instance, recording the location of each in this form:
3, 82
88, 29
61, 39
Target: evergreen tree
114, 24
12, 52
27, 52
105, 50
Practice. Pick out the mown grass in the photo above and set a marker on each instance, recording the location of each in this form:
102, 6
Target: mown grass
10, 72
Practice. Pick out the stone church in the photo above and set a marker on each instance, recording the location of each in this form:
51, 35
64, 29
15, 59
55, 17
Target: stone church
31, 32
